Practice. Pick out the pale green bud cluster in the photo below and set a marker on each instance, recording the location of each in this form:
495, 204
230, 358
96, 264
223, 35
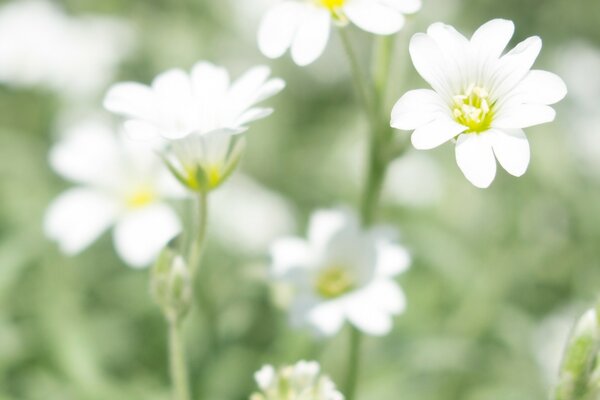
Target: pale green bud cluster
579, 376
171, 285
301, 381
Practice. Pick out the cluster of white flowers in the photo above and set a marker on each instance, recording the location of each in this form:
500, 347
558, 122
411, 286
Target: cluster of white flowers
302, 381
40, 45
342, 273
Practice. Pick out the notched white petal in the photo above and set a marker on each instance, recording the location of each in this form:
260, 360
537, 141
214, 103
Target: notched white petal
511, 148
475, 158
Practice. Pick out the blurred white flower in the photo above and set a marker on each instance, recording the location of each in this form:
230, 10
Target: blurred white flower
200, 114
304, 26
40, 45
342, 273
584, 97
120, 184
414, 180
250, 216
302, 381
481, 98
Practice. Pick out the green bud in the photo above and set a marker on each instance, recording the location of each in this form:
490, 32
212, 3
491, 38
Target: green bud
170, 284
579, 372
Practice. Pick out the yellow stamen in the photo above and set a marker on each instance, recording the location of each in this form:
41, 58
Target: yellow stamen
331, 5
140, 196
473, 109
333, 282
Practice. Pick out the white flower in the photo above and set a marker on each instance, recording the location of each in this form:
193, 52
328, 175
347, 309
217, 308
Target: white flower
119, 184
302, 381
342, 273
304, 26
200, 114
481, 98
40, 45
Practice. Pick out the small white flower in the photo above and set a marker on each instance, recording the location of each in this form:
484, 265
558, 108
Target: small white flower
301, 381
304, 26
40, 45
481, 98
342, 273
200, 114
121, 185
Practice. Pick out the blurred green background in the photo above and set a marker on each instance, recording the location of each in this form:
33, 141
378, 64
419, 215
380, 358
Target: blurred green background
498, 275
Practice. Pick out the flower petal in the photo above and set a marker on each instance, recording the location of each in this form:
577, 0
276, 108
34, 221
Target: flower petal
288, 254
131, 99
77, 217
511, 148
428, 60
364, 311
475, 158
88, 154
327, 318
541, 87
278, 26
454, 50
373, 17
252, 88
404, 6
513, 67
436, 133
140, 235
324, 224
392, 259
523, 116
490, 40
417, 108
311, 37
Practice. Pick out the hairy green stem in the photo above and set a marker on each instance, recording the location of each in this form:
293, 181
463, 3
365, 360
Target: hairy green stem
177, 363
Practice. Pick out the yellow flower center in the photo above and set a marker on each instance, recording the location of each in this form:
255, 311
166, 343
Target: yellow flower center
331, 4
473, 109
141, 196
333, 282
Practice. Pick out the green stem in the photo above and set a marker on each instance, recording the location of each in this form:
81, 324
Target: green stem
381, 70
177, 364
353, 364
373, 101
195, 258
358, 76
198, 243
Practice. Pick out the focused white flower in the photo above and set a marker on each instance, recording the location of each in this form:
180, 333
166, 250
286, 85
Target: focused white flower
302, 381
481, 98
200, 114
304, 26
40, 45
342, 273
121, 184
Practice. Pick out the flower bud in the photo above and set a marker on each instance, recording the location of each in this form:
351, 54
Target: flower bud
171, 285
579, 375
